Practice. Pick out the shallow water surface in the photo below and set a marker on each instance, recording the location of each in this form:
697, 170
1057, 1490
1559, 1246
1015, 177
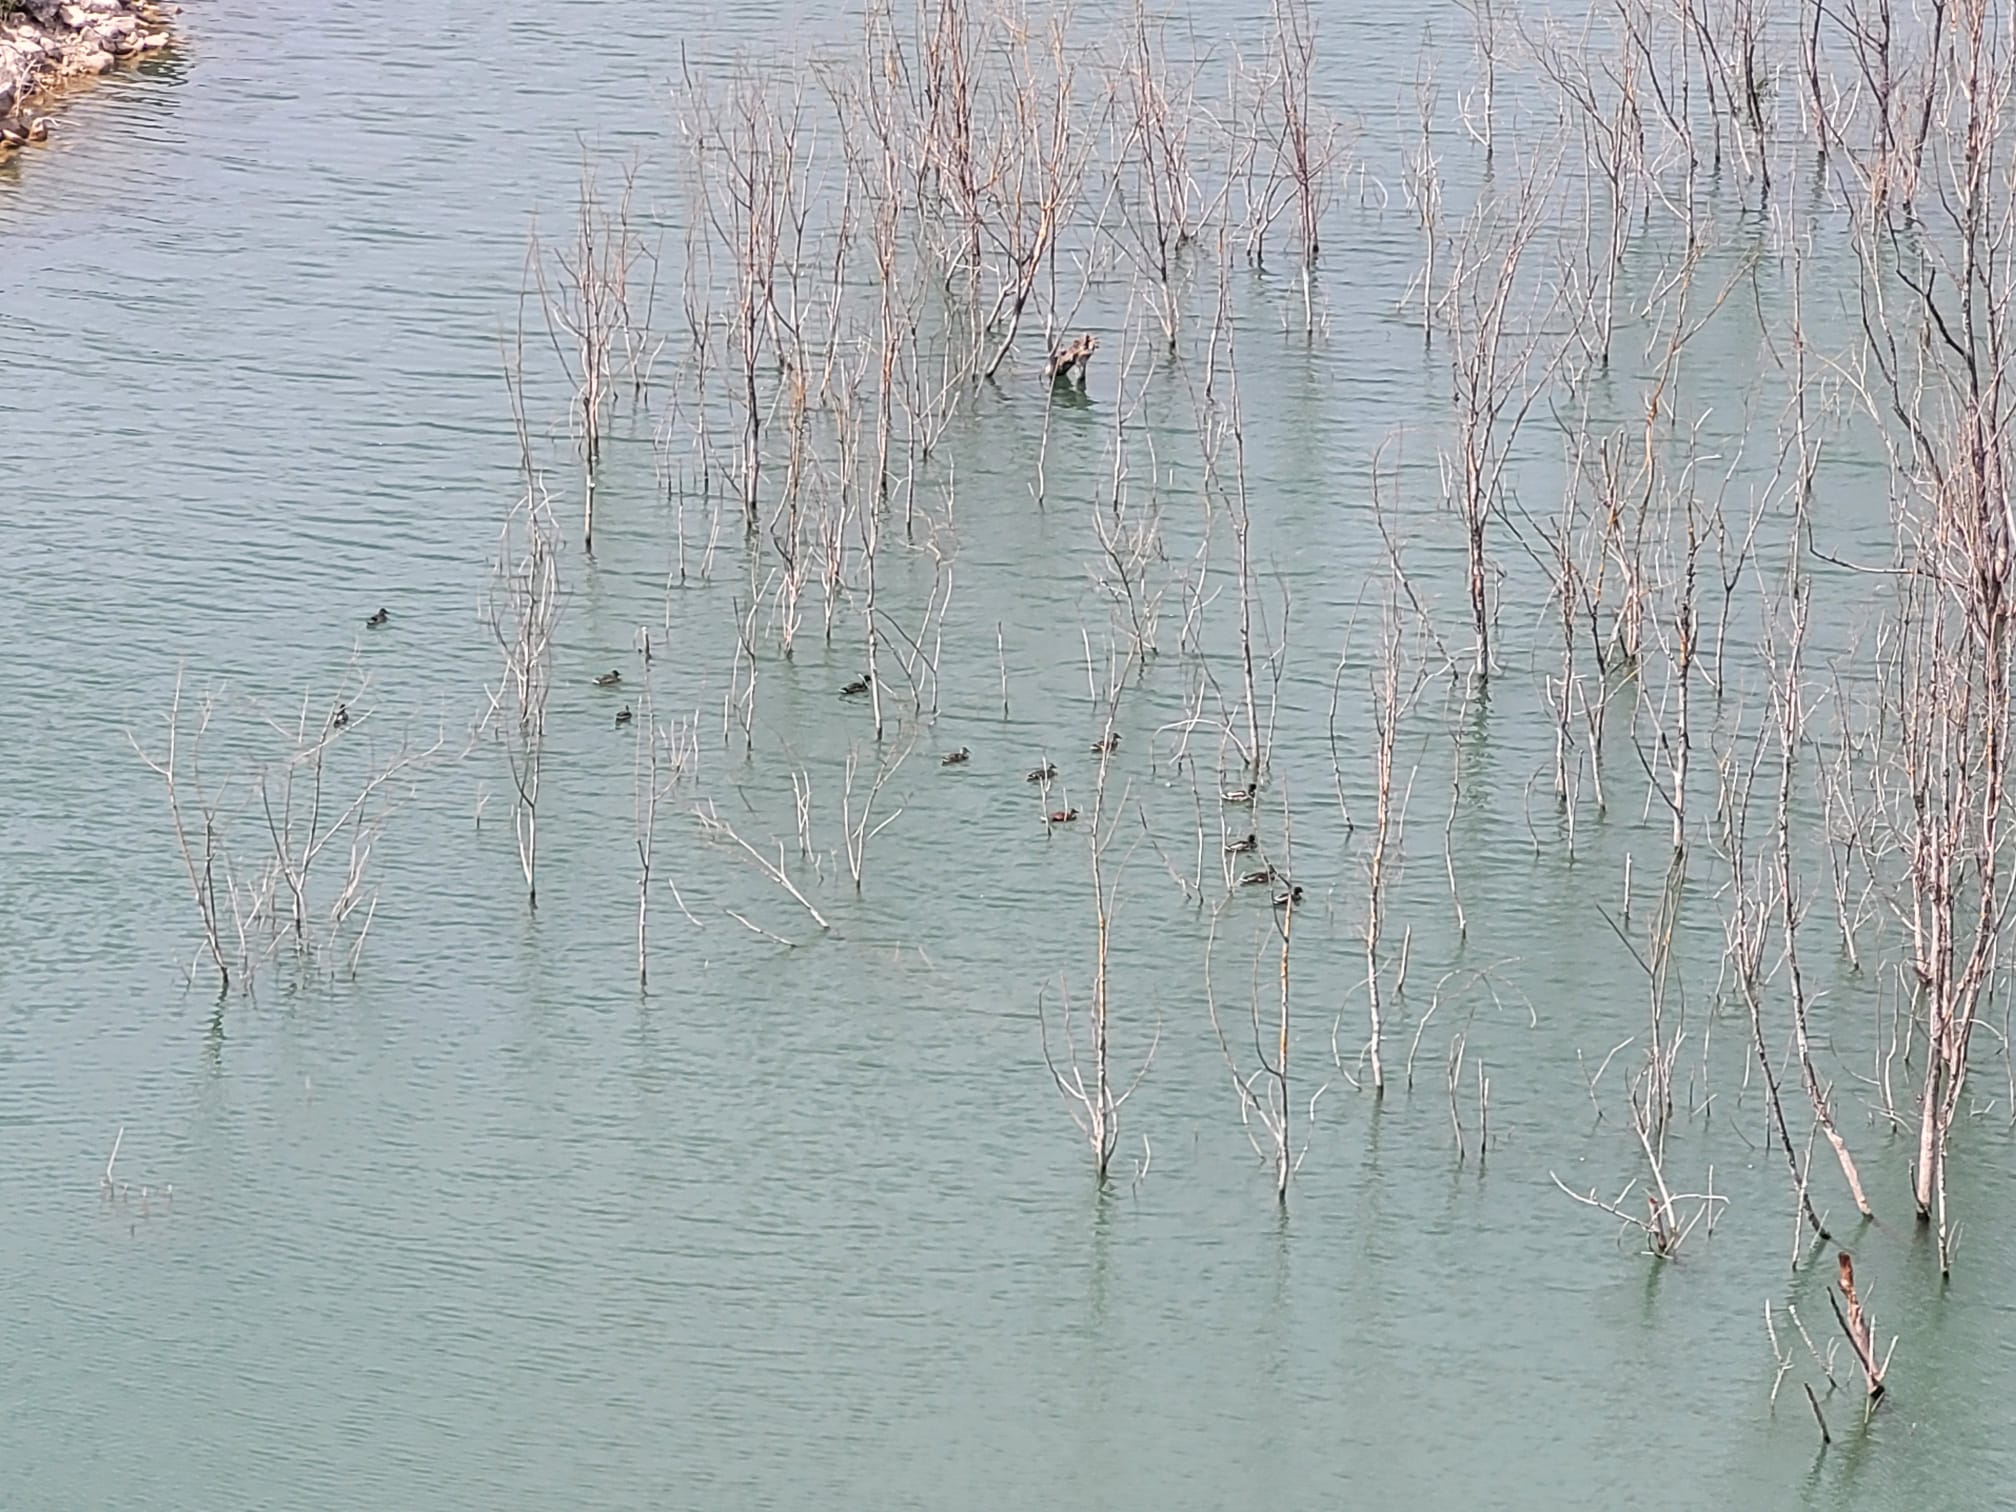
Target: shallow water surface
486, 1226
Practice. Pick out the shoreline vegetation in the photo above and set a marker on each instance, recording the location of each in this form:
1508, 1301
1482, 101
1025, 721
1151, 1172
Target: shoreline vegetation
46, 44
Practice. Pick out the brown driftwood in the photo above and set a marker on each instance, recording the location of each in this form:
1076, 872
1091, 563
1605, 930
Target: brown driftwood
1071, 359
1855, 1324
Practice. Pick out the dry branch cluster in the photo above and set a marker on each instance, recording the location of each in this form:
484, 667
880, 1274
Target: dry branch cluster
277, 852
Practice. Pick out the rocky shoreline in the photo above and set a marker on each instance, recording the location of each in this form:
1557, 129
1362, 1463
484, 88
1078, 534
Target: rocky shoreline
46, 43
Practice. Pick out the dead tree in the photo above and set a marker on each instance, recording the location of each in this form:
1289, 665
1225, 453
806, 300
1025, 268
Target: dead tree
951, 167
1746, 933
1395, 687
1095, 1105
1035, 193
199, 817
331, 788
858, 829
1301, 140
1268, 1092
589, 303
324, 792
749, 180
523, 612
1670, 1217
1499, 368
1159, 117
665, 757
1221, 433
1788, 707
1939, 321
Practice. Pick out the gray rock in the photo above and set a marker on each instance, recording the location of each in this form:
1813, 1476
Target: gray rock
43, 41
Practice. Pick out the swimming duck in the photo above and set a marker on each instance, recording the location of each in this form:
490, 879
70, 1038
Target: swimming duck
1042, 773
379, 620
608, 679
956, 758
855, 688
1259, 878
340, 720
1242, 847
623, 716
1062, 816
1239, 795
1107, 746
1293, 895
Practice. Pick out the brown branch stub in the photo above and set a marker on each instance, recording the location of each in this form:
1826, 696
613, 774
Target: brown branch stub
1069, 362
1855, 1324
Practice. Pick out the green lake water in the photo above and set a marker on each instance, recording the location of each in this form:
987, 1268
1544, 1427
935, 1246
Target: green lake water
806, 1225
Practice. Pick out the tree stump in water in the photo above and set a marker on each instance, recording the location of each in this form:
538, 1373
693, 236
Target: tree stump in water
1070, 360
